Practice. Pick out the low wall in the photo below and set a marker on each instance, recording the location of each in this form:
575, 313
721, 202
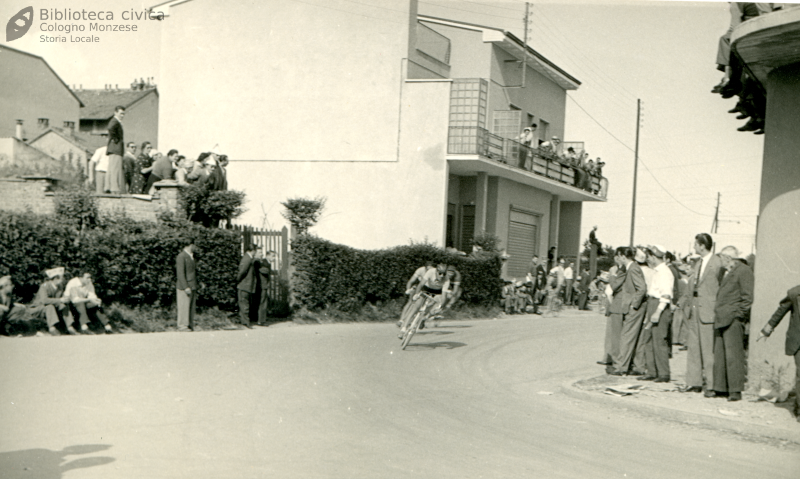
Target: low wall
21, 195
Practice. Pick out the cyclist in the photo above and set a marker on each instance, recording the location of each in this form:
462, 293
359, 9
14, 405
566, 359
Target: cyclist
454, 293
415, 278
434, 282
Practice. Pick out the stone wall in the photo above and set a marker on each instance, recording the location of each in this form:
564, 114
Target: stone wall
35, 195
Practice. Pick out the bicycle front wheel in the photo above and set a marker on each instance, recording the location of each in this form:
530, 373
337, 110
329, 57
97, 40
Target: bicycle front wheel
412, 328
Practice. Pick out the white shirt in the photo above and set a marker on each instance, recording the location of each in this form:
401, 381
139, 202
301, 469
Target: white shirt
705, 260
100, 159
661, 284
434, 280
648, 274
568, 273
76, 290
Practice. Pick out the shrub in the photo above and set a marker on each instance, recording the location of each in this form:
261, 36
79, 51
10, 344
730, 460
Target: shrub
303, 213
208, 207
132, 262
332, 275
487, 241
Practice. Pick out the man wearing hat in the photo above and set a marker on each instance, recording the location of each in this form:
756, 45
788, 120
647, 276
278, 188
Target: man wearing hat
734, 298
51, 303
9, 308
658, 320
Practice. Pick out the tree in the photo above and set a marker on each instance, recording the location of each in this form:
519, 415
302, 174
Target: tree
303, 213
487, 241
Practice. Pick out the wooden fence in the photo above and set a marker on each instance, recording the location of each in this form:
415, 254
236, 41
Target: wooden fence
277, 241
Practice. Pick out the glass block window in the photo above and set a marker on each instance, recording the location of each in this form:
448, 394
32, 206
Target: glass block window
468, 102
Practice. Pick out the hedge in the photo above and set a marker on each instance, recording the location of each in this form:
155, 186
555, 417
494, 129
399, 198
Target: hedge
329, 274
132, 262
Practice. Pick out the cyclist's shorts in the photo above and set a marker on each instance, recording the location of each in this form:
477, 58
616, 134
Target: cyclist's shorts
434, 292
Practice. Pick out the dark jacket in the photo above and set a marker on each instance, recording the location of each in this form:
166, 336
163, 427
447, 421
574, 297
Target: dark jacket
116, 142
790, 303
735, 296
264, 272
186, 271
247, 276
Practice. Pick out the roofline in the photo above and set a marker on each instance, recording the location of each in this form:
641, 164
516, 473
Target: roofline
62, 135
125, 106
80, 103
509, 35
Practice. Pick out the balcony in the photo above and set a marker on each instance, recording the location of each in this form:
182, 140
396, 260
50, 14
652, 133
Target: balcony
472, 149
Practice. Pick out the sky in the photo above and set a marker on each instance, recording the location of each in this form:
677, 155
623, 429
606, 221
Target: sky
661, 53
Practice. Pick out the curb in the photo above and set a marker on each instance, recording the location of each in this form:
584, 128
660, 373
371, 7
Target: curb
684, 417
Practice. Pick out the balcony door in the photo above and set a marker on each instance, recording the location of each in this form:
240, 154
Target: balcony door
467, 228
523, 239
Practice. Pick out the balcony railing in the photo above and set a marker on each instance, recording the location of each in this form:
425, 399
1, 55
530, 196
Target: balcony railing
472, 140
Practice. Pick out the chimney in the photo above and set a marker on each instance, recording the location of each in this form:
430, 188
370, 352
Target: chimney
18, 133
44, 123
69, 125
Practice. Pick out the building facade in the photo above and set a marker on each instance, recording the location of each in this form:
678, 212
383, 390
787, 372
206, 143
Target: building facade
141, 114
32, 96
405, 123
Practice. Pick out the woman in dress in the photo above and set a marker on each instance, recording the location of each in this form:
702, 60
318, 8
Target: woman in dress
144, 165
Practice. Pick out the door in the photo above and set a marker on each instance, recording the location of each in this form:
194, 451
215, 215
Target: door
523, 229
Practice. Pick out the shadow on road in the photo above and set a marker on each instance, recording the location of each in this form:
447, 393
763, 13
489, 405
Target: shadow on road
436, 345
47, 464
435, 332
456, 326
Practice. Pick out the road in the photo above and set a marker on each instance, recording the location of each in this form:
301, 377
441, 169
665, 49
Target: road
466, 400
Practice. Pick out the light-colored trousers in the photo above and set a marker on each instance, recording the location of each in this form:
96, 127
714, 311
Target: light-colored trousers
186, 304
100, 181
700, 358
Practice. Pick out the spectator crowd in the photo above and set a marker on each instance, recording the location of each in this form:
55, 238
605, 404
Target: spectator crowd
118, 170
586, 170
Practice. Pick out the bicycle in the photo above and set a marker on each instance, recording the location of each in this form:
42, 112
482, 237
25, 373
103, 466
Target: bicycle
423, 314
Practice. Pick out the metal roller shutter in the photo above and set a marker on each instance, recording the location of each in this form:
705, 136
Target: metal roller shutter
521, 245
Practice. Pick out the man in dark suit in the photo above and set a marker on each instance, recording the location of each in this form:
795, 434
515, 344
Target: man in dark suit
630, 310
790, 303
115, 176
186, 269
703, 287
734, 298
265, 279
247, 279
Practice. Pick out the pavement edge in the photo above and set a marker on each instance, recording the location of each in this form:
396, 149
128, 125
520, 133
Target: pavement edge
684, 417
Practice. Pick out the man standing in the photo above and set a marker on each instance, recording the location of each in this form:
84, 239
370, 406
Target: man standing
629, 305
116, 148
569, 275
659, 317
50, 302
247, 278
100, 162
265, 278
790, 303
186, 269
734, 298
129, 165
703, 287
83, 302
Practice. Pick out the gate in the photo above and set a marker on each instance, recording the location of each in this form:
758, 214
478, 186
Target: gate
277, 241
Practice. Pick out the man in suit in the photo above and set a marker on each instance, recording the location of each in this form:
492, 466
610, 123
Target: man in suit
247, 278
115, 176
629, 307
186, 268
734, 298
790, 303
703, 288
265, 279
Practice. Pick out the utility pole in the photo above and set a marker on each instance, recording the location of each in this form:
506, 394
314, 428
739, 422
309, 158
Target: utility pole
715, 223
635, 168
525, 25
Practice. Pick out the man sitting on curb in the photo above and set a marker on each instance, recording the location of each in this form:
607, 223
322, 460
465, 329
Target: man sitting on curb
9, 309
83, 302
51, 303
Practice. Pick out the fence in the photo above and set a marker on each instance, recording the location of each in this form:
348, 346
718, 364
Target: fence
277, 241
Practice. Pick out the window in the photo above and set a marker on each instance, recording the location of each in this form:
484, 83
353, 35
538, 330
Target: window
544, 130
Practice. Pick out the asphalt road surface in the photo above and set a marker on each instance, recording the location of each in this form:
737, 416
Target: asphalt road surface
468, 399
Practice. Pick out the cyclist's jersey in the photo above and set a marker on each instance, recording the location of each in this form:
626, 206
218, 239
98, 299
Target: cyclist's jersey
433, 281
456, 281
419, 274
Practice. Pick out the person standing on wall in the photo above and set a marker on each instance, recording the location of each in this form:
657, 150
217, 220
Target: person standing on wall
115, 177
